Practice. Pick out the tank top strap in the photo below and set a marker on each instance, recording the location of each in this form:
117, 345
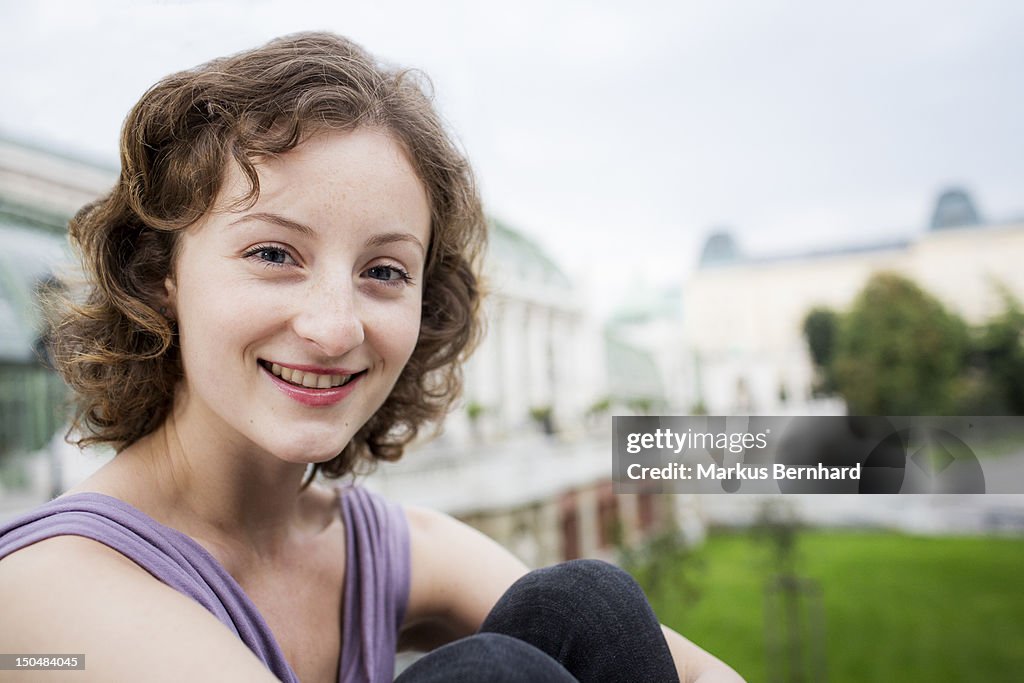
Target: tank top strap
376, 584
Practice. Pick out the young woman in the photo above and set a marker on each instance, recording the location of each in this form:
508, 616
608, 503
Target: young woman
282, 283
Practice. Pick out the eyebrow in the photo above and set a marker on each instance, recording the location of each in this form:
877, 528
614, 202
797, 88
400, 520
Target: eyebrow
277, 220
378, 240
392, 237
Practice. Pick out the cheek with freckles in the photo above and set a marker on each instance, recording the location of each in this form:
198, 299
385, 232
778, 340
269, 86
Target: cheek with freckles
394, 335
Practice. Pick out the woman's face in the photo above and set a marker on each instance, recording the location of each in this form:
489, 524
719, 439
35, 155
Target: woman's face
297, 315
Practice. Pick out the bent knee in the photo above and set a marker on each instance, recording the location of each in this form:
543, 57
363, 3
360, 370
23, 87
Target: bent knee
576, 585
588, 575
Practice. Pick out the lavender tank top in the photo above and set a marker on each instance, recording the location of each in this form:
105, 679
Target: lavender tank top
376, 590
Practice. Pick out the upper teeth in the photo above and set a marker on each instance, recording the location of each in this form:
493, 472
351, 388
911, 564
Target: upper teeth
310, 380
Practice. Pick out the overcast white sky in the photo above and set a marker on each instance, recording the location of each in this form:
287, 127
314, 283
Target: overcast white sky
616, 137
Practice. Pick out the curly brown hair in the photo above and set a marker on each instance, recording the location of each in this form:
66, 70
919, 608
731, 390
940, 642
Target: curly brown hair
116, 349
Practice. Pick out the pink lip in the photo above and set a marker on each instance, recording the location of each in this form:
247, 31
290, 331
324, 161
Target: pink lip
313, 397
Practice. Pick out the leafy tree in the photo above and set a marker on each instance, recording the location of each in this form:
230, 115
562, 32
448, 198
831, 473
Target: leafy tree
665, 565
899, 351
997, 362
821, 329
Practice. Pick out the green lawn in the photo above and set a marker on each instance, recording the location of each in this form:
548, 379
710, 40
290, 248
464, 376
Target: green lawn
897, 608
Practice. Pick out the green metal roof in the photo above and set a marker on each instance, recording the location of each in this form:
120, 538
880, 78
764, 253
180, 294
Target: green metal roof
523, 256
632, 372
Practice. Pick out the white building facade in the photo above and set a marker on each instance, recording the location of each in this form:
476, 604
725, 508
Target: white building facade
743, 317
542, 354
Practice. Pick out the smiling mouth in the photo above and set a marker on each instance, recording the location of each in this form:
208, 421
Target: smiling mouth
308, 380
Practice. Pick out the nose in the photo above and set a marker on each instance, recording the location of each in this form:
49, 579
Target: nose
329, 317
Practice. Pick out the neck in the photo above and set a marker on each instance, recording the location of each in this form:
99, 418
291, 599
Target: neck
226, 494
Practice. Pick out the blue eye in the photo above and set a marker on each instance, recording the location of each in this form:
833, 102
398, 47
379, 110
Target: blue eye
269, 255
273, 255
391, 275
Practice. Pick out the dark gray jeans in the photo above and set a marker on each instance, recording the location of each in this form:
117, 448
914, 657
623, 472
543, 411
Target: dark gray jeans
583, 620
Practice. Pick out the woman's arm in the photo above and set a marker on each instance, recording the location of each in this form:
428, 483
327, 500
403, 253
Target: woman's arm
458, 575
72, 595
695, 665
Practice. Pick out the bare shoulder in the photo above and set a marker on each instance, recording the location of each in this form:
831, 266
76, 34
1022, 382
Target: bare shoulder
70, 594
458, 573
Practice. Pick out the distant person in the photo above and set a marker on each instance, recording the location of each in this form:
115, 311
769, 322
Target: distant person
282, 284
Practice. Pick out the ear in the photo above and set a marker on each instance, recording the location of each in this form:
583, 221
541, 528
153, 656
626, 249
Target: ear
170, 299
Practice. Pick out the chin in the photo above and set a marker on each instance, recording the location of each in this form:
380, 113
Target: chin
313, 452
